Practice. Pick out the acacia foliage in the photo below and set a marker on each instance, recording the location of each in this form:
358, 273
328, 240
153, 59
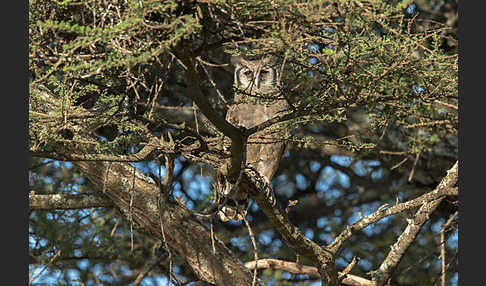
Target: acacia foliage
374, 114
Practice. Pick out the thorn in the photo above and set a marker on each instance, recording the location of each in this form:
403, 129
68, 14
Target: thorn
382, 207
291, 203
171, 141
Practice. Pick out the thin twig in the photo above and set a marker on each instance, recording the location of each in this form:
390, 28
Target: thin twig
166, 245
45, 267
348, 268
414, 165
211, 224
447, 105
392, 152
130, 209
218, 92
144, 272
399, 163
255, 250
442, 247
442, 257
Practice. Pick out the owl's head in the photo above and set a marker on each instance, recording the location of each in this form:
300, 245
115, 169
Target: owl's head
256, 76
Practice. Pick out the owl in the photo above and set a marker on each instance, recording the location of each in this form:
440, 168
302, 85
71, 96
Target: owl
256, 100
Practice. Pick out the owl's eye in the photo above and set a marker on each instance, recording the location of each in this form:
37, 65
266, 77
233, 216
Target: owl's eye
248, 73
264, 71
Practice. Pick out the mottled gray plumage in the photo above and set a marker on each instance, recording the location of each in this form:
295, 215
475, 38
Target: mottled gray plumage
256, 79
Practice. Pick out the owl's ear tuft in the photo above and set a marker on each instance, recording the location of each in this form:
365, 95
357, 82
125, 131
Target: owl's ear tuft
237, 61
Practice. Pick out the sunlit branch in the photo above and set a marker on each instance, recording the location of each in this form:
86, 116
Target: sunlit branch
67, 201
440, 192
398, 249
296, 268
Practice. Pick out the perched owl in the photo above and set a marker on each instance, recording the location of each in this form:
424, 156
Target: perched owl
256, 81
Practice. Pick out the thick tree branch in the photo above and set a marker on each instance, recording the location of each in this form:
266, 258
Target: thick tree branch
310, 210
296, 268
236, 135
398, 249
140, 201
440, 192
137, 198
67, 202
322, 257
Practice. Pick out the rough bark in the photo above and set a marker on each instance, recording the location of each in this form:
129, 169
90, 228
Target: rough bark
138, 199
296, 268
67, 201
398, 249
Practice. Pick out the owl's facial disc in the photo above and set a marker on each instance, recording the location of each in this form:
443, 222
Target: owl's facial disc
255, 77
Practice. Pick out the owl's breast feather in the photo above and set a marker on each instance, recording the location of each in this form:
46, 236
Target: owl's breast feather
250, 115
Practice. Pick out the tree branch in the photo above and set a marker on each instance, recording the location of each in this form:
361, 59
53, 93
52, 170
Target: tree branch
296, 268
388, 266
68, 202
139, 199
236, 135
140, 156
440, 192
321, 256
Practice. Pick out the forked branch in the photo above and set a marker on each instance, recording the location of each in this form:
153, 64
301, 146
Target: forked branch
440, 192
296, 268
398, 249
